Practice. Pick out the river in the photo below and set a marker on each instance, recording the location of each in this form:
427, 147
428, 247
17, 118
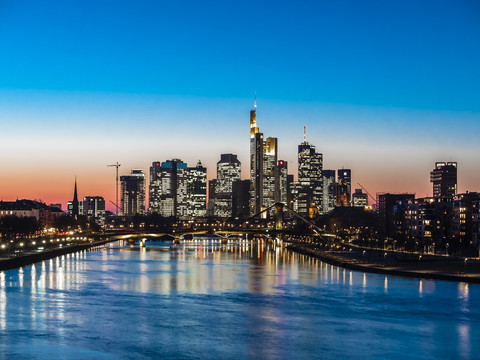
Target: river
204, 300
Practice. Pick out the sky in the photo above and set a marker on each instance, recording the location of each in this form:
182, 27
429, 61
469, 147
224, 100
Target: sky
385, 88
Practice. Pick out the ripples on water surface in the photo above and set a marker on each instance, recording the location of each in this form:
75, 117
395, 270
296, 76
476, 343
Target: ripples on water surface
205, 300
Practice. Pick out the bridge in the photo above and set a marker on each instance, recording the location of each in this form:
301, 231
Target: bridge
247, 227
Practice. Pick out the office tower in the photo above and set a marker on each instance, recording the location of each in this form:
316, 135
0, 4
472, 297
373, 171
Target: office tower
329, 190
178, 190
295, 190
310, 163
270, 150
212, 184
133, 193
342, 193
346, 174
94, 208
228, 171
360, 199
240, 198
281, 182
290, 182
197, 190
264, 175
444, 179
256, 163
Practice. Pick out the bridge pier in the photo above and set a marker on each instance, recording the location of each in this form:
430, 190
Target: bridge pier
142, 242
278, 216
176, 241
224, 239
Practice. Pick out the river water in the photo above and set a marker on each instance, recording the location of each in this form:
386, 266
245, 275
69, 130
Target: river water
204, 300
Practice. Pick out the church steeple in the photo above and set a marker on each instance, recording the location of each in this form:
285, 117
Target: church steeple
75, 211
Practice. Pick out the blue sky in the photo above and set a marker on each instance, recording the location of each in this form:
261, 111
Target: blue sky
385, 87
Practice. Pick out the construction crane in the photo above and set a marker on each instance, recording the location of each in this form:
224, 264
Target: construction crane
374, 199
117, 165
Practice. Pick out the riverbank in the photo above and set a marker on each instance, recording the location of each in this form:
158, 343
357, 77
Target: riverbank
31, 258
446, 269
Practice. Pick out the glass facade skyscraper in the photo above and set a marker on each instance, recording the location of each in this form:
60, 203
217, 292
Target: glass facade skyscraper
197, 190
264, 180
310, 191
256, 164
133, 193
176, 190
329, 190
270, 151
228, 171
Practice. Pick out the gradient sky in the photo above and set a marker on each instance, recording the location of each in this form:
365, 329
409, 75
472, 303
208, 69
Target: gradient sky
385, 88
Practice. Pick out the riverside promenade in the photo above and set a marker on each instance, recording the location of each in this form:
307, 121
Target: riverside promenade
28, 258
421, 266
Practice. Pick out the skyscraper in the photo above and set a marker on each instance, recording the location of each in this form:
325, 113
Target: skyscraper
270, 150
177, 190
444, 179
133, 193
240, 198
197, 190
264, 175
212, 185
329, 190
281, 182
228, 171
310, 163
256, 163
346, 174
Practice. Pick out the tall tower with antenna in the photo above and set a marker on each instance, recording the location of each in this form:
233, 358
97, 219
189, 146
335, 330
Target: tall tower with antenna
256, 163
310, 166
117, 165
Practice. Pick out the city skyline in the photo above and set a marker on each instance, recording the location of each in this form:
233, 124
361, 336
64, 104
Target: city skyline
107, 181
380, 98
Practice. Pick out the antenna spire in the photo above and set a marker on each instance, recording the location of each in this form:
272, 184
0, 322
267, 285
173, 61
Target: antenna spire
305, 133
255, 100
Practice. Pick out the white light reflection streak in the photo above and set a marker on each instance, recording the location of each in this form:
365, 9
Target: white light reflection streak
463, 296
33, 285
464, 341
33, 280
3, 302
20, 277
